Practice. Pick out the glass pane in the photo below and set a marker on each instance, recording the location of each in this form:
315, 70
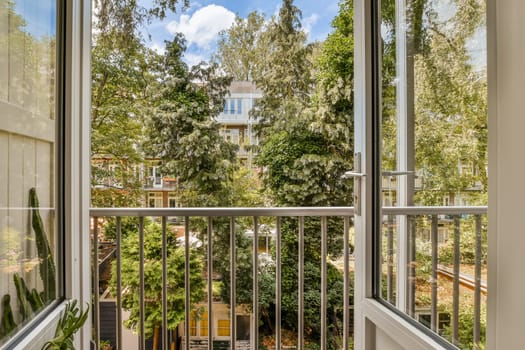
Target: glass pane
434, 154
28, 143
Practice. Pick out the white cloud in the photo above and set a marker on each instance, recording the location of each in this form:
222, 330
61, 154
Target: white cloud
308, 22
193, 59
204, 25
160, 49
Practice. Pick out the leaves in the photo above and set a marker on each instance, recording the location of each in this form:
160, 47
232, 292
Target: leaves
72, 319
153, 278
183, 132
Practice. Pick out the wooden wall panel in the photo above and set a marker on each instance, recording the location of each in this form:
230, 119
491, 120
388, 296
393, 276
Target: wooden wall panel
16, 62
4, 213
4, 66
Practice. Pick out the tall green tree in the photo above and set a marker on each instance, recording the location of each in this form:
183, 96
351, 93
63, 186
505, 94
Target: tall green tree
451, 95
121, 88
153, 279
286, 78
305, 149
123, 19
242, 49
182, 130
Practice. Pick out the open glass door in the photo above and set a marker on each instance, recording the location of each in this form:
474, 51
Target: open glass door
429, 156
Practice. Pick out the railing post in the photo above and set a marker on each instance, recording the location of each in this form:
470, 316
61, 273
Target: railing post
119, 283
455, 286
346, 287
477, 288
255, 282
96, 309
324, 253
300, 292
210, 283
278, 285
187, 287
142, 305
233, 283
434, 258
411, 266
390, 260
164, 284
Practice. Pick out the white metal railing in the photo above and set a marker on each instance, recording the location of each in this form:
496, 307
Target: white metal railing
278, 213
451, 216
346, 213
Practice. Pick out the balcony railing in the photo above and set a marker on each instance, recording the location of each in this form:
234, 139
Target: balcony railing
440, 256
417, 218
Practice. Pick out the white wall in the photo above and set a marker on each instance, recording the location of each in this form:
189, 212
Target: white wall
506, 280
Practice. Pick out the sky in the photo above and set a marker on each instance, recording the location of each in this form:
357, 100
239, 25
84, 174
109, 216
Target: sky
203, 21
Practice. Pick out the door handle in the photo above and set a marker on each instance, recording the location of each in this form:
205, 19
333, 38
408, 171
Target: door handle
357, 175
351, 174
397, 173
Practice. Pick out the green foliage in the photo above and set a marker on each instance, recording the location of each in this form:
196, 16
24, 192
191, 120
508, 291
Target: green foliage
7, 322
183, 132
241, 49
466, 326
334, 106
303, 169
153, 279
286, 78
123, 79
243, 261
124, 18
45, 256
128, 225
23, 295
72, 319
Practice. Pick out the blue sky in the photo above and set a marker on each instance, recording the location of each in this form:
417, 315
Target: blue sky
202, 22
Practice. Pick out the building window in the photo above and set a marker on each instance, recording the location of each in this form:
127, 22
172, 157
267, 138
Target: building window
193, 327
31, 164
155, 200
239, 106
203, 327
231, 135
223, 328
243, 327
155, 176
172, 200
233, 106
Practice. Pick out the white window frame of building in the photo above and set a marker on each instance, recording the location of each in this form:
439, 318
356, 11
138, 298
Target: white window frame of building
115, 172
239, 106
233, 106
172, 200
231, 135
155, 176
155, 198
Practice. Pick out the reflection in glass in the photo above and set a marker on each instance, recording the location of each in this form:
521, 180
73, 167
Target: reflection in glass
27, 161
434, 153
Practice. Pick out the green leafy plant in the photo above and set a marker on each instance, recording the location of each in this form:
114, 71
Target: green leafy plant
70, 322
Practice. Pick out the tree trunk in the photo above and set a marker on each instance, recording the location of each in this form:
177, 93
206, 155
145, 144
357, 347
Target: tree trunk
156, 338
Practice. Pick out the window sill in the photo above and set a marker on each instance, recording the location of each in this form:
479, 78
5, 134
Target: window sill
37, 332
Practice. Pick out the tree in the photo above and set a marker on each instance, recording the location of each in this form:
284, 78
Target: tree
241, 49
183, 132
305, 149
153, 279
286, 78
122, 19
121, 94
451, 95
